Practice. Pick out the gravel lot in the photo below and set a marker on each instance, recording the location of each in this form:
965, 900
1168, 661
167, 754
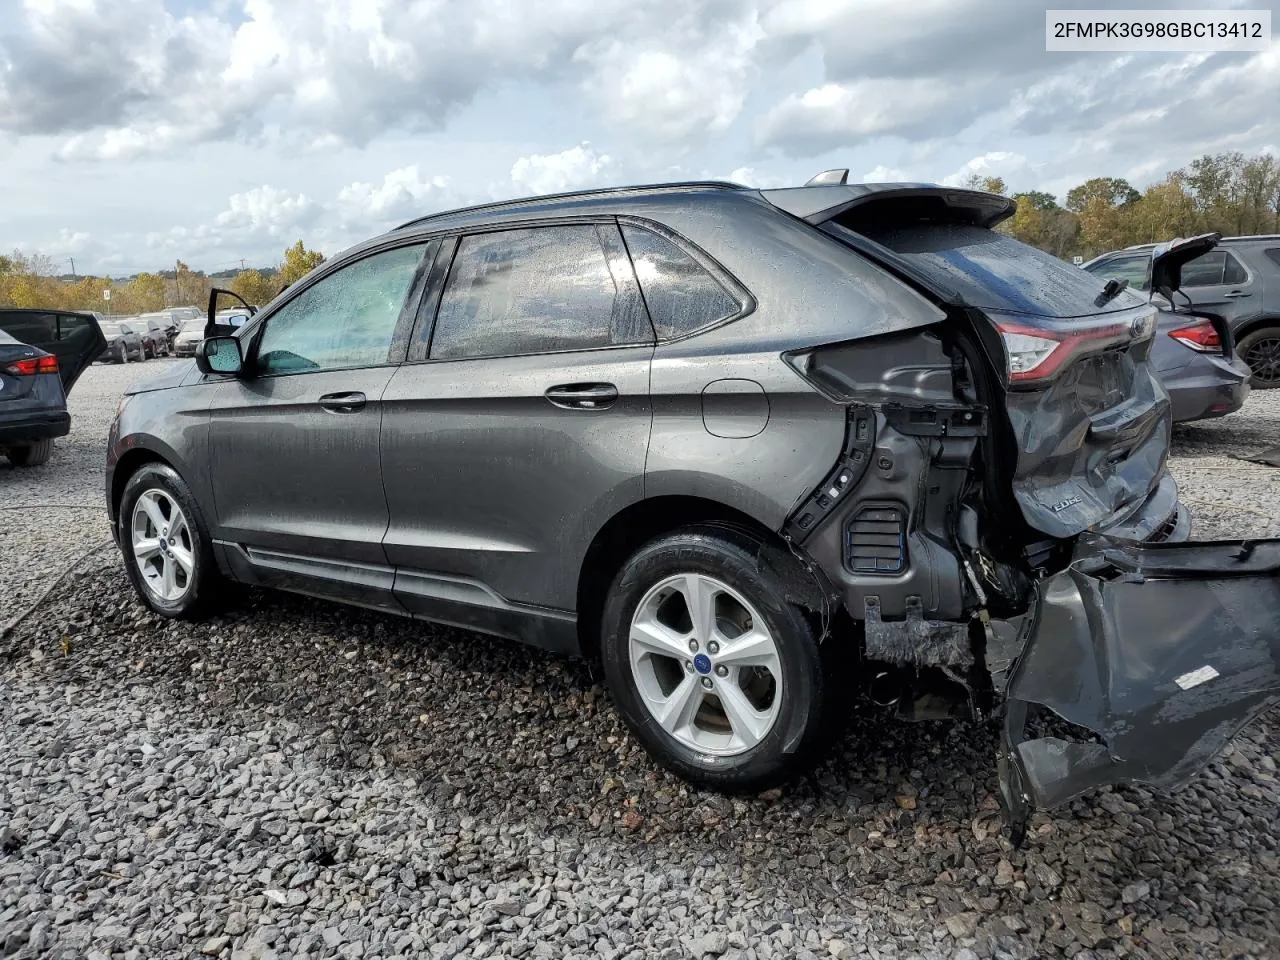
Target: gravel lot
299, 779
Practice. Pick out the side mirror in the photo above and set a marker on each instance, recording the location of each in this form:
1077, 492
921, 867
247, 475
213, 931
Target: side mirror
220, 355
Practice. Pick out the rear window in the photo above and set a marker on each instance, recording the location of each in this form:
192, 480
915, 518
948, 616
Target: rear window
992, 271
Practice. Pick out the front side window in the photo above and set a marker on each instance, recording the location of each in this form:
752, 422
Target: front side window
1133, 269
1205, 270
682, 296
539, 290
346, 319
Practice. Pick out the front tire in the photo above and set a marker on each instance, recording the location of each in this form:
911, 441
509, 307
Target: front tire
167, 551
715, 672
30, 454
1260, 349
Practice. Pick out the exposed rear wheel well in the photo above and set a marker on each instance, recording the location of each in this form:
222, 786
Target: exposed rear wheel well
630, 529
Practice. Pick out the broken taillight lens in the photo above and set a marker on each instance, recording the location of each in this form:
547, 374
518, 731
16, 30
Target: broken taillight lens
31, 366
1038, 352
1202, 337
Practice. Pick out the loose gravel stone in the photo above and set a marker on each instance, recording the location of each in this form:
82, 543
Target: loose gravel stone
300, 779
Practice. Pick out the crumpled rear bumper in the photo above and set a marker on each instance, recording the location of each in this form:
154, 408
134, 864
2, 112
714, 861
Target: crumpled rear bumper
1158, 653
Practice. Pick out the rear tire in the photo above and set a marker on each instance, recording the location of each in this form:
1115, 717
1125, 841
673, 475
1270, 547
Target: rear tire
745, 709
1260, 349
30, 454
167, 551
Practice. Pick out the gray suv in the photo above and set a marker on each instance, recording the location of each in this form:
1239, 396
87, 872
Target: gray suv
753, 450
1238, 280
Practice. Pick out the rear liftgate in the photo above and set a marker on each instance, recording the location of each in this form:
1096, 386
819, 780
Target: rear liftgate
1160, 653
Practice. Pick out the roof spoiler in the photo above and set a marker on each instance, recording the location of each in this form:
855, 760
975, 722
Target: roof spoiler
905, 202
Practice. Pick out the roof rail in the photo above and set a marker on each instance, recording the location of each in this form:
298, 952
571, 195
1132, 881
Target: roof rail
1256, 236
573, 195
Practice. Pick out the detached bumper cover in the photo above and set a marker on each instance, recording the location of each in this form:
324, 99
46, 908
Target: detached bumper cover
1160, 653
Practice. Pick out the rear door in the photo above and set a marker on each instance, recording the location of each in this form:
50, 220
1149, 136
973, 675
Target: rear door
520, 422
296, 478
74, 338
1220, 283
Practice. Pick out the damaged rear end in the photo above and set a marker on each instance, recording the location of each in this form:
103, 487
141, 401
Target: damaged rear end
1001, 519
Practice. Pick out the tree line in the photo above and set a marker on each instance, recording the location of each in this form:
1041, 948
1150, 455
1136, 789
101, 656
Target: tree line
1226, 193
29, 280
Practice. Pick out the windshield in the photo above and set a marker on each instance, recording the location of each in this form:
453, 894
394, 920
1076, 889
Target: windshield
115, 329
993, 271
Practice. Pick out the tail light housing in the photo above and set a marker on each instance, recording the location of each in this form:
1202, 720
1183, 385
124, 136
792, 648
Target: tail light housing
1037, 352
32, 365
1202, 337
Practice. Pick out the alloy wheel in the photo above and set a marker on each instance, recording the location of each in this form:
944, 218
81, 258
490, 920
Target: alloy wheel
1263, 358
162, 545
705, 664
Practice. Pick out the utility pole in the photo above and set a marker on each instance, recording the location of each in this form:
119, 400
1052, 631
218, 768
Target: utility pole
242, 264
73, 267
177, 290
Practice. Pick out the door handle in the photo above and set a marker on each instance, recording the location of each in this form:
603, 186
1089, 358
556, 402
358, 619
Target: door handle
583, 396
1236, 294
343, 402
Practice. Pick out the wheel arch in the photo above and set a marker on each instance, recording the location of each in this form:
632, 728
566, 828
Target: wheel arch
129, 463
645, 520
1255, 324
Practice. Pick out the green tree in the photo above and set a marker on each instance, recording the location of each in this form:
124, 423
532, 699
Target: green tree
298, 262
1112, 191
1039, 200
976, 181
255, 286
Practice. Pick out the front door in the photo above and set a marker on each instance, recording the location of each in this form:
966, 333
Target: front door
297, 482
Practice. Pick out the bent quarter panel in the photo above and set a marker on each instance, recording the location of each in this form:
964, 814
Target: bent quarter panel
487, 479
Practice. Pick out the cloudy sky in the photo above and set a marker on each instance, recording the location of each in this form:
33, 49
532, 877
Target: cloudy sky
136, 131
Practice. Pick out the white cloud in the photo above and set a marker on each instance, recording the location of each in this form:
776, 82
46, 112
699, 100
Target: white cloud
750, 177
882, 174
688, 81
403, 193
841, 114
266, 210
998, 163
573, 169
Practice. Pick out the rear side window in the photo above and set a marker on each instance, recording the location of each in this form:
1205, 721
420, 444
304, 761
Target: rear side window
539, 290
995, 272
74, 329
1274, 254
681, 295
1233, 271
30, 328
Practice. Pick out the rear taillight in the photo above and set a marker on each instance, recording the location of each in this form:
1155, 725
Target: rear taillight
1202, 337
32, 366
1036, 353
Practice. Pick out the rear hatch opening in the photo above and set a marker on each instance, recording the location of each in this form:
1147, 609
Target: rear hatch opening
1155, 653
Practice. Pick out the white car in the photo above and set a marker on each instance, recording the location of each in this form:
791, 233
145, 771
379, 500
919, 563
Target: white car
192, 331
